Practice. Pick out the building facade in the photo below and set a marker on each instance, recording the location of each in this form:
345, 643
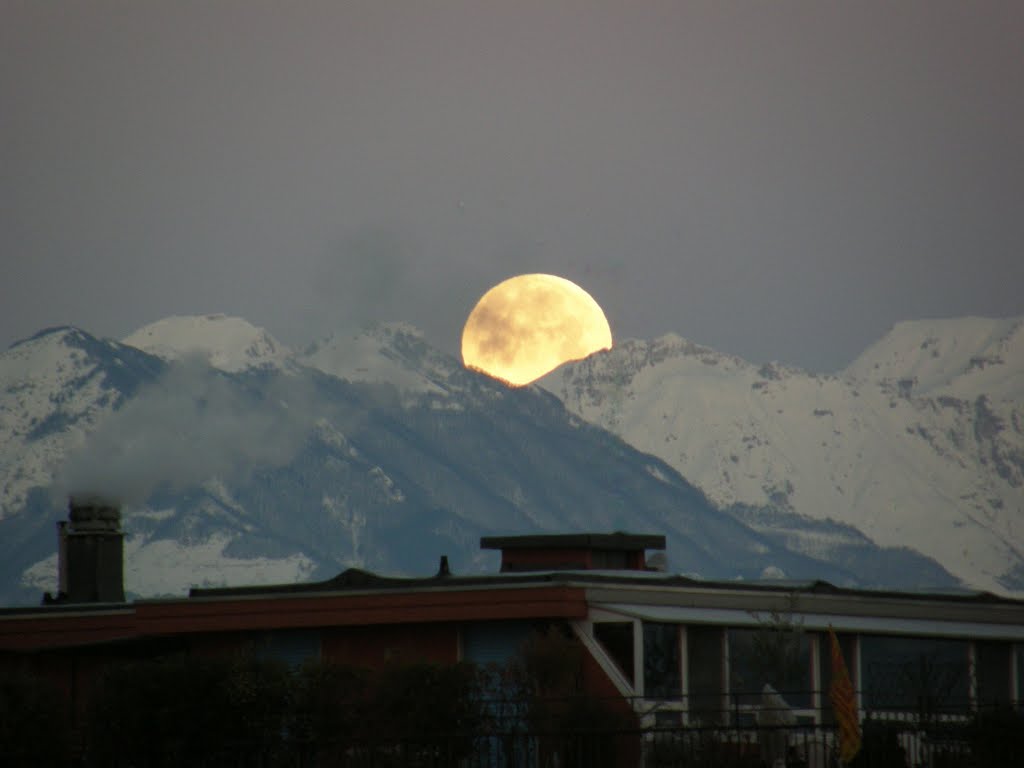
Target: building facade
676, 651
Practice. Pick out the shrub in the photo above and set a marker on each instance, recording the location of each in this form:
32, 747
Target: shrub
573, 727
329, 704
434, 706
997, 737
187, 710
880, 747
32, 731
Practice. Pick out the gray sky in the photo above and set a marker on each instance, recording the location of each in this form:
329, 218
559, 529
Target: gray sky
777, 180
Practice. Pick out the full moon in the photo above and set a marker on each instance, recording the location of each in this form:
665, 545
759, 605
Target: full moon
529, 325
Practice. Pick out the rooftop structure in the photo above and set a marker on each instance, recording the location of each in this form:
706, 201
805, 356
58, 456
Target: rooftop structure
574, 551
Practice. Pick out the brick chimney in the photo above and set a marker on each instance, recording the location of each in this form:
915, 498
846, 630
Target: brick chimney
90, 553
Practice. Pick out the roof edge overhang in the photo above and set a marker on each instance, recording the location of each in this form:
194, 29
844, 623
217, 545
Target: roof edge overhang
421, 606
871, 625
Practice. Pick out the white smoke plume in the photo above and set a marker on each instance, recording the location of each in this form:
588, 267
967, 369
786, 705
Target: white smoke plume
190, 425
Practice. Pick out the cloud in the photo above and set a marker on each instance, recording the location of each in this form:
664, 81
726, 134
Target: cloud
192, 424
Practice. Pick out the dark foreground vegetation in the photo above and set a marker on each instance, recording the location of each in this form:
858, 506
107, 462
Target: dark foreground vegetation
183, 710
186, 710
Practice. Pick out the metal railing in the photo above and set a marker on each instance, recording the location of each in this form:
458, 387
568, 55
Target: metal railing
654, 747
662, 734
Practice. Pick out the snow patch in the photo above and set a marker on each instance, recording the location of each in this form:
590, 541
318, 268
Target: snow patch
228, 343
168, 568
371, 356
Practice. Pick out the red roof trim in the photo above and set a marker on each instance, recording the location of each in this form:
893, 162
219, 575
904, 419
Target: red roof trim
58, 630
349, 610
148, 619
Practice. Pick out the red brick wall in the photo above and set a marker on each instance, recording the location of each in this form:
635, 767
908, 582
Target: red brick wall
543, 559
218, 644
597, 684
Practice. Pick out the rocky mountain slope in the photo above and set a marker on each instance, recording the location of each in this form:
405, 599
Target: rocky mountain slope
239, 461
918, 443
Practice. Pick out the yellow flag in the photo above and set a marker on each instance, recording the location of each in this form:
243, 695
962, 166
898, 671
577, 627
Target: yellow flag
844, 704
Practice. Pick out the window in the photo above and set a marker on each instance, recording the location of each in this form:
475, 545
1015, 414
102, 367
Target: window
993, 665
494, 642
610, 559
662, 668
922, 675
1020, 674
704, 673
779, 656
616, 637
291, 646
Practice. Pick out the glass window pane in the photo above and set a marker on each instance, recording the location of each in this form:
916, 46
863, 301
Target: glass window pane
922, 675
662, 673
1020, 674
704, 672
616, 637
610, 560
775, 656
993, 665
291, 646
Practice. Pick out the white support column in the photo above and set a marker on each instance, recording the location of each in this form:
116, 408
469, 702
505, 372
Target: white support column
726, 670
972, 676
1015, 691
858, 676
815, 639
584, 631
638, 658
684, 670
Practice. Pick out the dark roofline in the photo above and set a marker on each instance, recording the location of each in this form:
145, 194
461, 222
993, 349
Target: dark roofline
356, 580
48, 609
603, 541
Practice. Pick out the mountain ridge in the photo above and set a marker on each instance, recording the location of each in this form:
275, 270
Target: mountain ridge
936, 464
397, 454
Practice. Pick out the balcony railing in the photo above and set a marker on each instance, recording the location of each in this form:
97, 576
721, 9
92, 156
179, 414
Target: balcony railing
673, 734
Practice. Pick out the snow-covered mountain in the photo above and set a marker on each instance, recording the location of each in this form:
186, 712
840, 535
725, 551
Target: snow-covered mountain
250, 463
384, 353
918, 443
54, 389
227, 343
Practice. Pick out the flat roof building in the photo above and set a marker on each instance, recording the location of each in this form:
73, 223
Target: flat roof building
677, 651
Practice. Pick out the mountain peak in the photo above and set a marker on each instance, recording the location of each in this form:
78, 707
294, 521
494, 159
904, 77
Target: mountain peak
55, 333
393, 328
229, 343
395, 353
50, 353
667, 356
963, 357
918, 443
